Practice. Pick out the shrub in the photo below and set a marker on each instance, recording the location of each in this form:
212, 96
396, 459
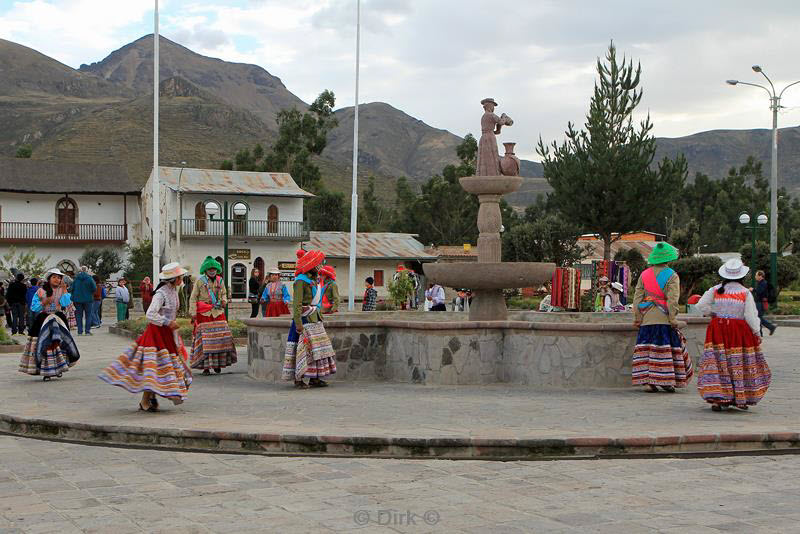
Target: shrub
695, 272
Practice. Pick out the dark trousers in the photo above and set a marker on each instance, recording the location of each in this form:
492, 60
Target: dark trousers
17, 318
764, 322
254, 309
83, 316
439, 307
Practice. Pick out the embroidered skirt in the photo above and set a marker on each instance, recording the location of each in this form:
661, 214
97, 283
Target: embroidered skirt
308, 354
276, 308
733, 369
213, 346
55, 359
660, 357
154, 362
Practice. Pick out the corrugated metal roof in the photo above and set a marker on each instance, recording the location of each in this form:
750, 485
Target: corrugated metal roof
56, 176
594, 249
453, 251
273, 184
370, 245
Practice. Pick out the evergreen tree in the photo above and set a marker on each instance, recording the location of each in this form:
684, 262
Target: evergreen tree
602, 177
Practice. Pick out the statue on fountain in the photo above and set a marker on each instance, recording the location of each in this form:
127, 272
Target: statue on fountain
489, 161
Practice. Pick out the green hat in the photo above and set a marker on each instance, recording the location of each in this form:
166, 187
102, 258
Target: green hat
210, 263
663, 252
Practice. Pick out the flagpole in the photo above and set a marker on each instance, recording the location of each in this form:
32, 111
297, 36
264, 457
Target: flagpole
156, 214
354, 198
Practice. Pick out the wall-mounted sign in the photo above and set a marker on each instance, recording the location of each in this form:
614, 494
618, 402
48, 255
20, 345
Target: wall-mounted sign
287, 266
238, 253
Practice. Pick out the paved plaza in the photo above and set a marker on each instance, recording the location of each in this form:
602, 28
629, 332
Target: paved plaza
63, 488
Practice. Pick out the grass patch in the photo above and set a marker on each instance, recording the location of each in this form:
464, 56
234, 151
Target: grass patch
5, 337
524, 303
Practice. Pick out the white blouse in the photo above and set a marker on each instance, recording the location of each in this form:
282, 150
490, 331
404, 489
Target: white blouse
164, 307
736, 303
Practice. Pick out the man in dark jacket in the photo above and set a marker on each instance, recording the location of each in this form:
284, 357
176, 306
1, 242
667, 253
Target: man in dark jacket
16, 300
34, 287
83, 288
762, 301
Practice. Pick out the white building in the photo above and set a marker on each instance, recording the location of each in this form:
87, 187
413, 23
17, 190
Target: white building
62, 208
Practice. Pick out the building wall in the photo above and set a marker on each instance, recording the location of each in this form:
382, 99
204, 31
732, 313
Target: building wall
364, 268
289, 209
92, 209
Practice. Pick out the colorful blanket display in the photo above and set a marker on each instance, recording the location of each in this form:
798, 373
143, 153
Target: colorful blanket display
615, 271
566, 288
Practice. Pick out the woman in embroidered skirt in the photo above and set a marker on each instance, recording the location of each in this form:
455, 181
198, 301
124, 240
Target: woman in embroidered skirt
733, 371
155, 365
309, 353
660, 357
330, 291
275, 296
50, 350
213, 346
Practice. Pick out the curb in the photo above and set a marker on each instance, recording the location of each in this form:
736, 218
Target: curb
450, 448
11, 349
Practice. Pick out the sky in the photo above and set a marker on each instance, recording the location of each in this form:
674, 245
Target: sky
436, 59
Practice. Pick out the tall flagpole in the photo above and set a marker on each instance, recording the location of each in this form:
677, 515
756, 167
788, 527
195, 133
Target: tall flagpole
156, 215
354, 199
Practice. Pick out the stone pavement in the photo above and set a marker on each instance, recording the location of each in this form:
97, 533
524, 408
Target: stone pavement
49, 487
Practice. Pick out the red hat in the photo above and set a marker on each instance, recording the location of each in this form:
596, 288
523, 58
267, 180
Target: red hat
328, 271
307, 260
401, 267
694, 299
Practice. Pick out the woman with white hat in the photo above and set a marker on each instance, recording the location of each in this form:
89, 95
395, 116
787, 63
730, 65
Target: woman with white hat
275, 297
156, 363
50, 350
733, 371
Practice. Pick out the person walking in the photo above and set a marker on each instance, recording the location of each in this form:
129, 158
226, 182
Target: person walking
50, 350
213, 346
275, 297
253, 296
309, 353
146, 292
83, 288
660, 358
155, 364
97, 303
330, 290
370, 295
732, 370
30, 292
122, 298
15, 296
761, 293
436, 298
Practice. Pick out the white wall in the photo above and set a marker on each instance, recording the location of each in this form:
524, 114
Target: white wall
364, 268
92, 209
289, 209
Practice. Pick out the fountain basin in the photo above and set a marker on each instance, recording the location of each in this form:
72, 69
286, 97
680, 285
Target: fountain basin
490, 185
496, 275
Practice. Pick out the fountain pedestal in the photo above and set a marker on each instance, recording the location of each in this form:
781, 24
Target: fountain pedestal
489, 276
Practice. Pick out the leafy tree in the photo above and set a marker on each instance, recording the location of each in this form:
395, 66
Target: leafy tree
686, 238
24, 261
226, 165
401, 289
543, 239
788, 266
372, 215
140, 260
602, 177
693, 270
24, 152
327, 212
102, 261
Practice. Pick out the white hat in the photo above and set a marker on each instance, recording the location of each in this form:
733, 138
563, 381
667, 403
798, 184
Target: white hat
54, 271
617, 286
274, 271
734, 270
172, 270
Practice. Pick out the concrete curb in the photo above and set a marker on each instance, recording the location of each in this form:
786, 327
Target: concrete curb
11, 349
451, 448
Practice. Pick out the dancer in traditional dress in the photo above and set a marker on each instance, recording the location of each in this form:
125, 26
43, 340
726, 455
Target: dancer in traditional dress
50, 350
309, 353
275, 296
733, 371
330, 290
213, 346
155, 364
660, 357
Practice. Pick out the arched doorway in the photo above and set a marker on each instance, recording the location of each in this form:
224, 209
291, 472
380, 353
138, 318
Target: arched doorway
200, 217
259, 264
272, 219
238, 281
67, 217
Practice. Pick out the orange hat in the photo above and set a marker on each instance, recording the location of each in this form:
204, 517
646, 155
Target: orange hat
307, 260
328, 271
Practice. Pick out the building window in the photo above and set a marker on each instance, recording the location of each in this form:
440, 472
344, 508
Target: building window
67, 267
67, 217
272, 219
378, 277
239, 219
200, 217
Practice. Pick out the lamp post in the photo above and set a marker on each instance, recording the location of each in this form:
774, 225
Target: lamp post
761, 220
774, 105
212, 209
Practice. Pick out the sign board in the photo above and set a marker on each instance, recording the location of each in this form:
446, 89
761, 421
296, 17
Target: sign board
287, 266
239, 254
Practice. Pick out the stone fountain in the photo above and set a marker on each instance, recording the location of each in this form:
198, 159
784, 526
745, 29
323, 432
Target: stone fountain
488, 277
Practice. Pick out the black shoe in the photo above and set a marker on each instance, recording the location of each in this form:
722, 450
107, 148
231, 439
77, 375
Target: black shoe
772, 330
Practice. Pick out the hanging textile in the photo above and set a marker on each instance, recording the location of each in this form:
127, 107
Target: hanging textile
566, 288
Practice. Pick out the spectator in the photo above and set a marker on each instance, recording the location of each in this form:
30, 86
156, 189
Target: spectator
97, 303
28, 300
15, 296
370, 296
435, 296
252, 292
761, 294
4, 309
122, 297
146, 289
83, 288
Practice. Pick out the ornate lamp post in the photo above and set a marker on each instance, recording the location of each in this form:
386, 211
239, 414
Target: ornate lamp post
762, 219
212, 209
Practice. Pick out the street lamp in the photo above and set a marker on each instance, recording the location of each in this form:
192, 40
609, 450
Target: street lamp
212, 209
775, 105
761, 220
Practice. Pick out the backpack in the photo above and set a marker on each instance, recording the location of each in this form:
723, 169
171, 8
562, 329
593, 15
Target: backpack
772, 294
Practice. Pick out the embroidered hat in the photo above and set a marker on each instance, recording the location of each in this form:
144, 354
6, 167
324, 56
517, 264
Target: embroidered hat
210, 263
53, 272
328, 271
617, 286
663, 252
307, 260
733, 270
172, 270
488, 101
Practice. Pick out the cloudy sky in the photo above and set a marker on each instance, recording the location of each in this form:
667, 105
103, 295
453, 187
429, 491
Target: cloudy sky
435, 59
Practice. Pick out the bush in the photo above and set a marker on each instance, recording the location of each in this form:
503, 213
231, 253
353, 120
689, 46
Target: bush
137, 326
5, 339
524, 303
695, 272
